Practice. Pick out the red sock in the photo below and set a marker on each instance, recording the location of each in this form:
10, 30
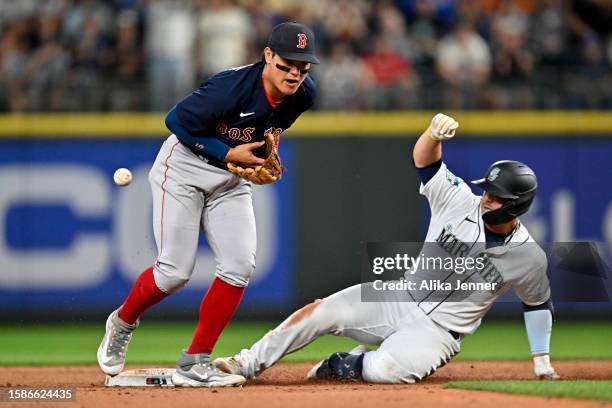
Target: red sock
143, 295
216, 310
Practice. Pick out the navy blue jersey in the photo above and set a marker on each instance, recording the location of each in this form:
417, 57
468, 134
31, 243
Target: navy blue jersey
233, 106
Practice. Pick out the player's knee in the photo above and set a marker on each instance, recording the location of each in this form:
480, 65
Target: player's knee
333, 314
382, 368
168, 278
322, 311
237, 272
316, 316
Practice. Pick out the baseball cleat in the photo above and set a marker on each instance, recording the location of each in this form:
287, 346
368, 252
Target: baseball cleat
230, 365
114, 346
323, 371
553, 376
196, 370
313, 373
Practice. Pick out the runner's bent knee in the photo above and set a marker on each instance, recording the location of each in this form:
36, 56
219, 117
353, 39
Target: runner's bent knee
318, 316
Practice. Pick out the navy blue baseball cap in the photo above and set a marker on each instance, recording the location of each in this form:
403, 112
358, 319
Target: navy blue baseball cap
293, 41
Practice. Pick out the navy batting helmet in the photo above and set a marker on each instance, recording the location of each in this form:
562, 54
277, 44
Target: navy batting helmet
513, 181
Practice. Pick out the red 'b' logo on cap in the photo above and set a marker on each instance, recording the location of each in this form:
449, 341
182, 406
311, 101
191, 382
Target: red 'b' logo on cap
302, 40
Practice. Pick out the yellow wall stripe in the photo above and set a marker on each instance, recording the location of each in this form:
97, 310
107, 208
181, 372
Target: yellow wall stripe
319, 124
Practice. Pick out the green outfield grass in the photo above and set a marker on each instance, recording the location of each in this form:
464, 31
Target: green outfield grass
159, 343
591, 389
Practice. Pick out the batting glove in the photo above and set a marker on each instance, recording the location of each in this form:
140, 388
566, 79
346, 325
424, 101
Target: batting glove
542, 368
443, 127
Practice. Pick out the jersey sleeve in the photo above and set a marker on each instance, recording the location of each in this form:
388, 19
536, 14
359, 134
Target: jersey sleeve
446, 192
205, 107
426, 173
534, 288
208, 144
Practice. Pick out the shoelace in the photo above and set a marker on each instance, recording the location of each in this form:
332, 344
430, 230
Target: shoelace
119, 340
208, 365
210, 369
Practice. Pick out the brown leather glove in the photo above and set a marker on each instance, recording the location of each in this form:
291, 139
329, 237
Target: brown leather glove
269, 172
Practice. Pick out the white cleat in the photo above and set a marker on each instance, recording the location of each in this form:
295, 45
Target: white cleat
230, 365
196, 370
312, 374
114, 346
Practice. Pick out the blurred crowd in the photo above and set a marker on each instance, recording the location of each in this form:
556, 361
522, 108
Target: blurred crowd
135, 55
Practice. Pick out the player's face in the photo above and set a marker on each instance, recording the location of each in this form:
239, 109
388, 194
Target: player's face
287, 75
490, 202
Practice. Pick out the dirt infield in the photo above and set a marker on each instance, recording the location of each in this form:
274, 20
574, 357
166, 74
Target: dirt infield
284, 386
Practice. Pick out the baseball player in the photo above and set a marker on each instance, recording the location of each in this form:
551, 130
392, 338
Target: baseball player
415, 338
201, 179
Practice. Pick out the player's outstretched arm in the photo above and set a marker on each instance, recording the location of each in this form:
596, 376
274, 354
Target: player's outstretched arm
428, 148
538, 323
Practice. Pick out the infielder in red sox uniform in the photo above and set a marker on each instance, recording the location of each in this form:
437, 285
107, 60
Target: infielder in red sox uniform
223, 121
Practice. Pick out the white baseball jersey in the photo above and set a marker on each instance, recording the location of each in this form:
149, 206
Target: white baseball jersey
456, 215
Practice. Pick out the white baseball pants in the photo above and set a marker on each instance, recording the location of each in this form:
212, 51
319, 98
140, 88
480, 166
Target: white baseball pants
412, 346
190, 195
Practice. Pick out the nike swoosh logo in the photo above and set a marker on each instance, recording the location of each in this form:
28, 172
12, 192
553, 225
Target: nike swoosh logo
243, 115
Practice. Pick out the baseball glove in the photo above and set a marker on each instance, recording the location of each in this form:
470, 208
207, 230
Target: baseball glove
269, 172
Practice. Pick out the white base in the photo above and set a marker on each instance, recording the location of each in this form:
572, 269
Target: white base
143, 377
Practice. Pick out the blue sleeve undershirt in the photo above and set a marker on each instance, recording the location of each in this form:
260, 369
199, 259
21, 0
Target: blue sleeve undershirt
426, 173
207, 144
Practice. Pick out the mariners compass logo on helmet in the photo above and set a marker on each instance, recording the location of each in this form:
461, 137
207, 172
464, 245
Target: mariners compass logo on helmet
493, 175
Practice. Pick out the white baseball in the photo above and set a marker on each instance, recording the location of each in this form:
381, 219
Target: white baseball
122, 177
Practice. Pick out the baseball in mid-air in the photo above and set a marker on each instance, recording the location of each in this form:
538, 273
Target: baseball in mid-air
122, 177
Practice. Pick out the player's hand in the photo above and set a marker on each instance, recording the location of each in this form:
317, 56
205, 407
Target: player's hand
243, 154
443, 127
542, 368
269, 172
